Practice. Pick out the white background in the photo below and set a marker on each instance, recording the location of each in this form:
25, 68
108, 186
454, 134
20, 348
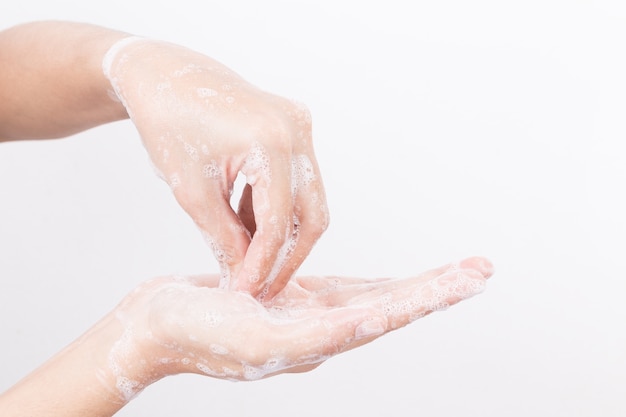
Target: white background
443, 130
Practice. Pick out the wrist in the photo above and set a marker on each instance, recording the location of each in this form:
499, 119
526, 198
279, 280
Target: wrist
129, 361
95, 375
137, 354
110, 58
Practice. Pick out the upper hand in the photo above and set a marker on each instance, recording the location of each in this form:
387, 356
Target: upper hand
202, 125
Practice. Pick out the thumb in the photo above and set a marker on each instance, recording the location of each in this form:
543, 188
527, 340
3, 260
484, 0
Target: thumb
317, 338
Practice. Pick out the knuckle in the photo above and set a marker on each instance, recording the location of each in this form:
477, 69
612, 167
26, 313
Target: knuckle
322, 222
300, 114
284, 121
317, 230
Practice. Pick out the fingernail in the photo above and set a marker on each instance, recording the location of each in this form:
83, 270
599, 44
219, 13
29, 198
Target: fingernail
486, 267
370, 328
480, 264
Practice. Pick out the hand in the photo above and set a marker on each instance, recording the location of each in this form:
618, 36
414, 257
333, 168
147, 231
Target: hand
187, 325
202, 124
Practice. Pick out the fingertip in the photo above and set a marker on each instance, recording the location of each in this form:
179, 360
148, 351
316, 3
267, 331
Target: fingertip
479, 264
244, 281
286, 274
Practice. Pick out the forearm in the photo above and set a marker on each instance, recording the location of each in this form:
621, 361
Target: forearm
82, 380
51, 80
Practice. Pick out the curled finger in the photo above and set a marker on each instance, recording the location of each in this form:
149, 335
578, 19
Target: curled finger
206, 200
267, 176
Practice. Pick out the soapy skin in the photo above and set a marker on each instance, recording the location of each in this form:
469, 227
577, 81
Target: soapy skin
201, 124
174, 325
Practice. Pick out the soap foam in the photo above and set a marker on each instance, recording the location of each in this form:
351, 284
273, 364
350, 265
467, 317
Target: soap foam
107, 68
302, 173
204, 92
212, 171
435, 295
256, 163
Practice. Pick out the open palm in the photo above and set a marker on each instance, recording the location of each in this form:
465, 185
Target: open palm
188, 324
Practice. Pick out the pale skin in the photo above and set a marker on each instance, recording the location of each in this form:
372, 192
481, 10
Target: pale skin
175, 325
201, 125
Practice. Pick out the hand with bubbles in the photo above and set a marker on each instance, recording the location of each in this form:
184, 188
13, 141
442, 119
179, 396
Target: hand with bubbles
202, 125
188, 325
175, 325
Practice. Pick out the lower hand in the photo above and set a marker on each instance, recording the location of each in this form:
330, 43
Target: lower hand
188, 325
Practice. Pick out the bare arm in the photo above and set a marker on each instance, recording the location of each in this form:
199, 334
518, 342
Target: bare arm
176, 325
201, 124
51, 80
73, 383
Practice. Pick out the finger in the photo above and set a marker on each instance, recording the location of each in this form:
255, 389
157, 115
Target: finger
268, 175
311, 217
245, 211
310, 208
206, 200
341, 291
306, 343
410, 300
480, 264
